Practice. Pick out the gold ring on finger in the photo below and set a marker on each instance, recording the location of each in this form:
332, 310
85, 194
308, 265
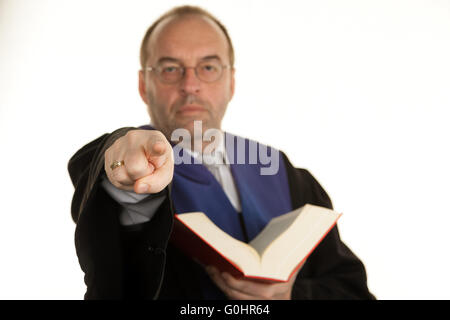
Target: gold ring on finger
117, 164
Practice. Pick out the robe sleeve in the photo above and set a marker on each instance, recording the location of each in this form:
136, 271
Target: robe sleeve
114, 258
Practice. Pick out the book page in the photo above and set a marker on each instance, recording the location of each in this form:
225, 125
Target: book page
297, 242
273, 230
237, 251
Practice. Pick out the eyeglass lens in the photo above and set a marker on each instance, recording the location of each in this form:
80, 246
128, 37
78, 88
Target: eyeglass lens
207, 71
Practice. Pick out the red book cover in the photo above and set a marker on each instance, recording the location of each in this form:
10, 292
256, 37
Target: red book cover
197, 248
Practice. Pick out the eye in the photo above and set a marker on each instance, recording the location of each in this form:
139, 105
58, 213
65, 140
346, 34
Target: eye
209, 68
170, 69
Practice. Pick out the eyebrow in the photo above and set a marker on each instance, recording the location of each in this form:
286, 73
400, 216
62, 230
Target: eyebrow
171, 59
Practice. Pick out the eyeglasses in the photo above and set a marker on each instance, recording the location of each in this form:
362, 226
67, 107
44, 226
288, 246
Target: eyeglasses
172, 72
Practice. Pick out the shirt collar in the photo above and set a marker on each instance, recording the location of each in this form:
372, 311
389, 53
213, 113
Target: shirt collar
217, 156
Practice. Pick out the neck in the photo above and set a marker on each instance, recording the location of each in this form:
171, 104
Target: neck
200, 146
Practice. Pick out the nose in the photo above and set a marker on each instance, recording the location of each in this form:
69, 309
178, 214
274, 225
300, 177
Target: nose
190, 84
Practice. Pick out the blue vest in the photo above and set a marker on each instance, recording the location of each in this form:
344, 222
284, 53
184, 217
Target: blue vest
262, 197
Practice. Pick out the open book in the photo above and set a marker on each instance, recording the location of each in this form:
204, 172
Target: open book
274, 255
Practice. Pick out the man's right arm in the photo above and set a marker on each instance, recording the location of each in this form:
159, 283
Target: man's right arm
106, 250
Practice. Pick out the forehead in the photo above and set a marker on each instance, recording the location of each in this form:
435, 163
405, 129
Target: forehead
188, 39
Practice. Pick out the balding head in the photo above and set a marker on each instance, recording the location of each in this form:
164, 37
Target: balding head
192, 32
176, 13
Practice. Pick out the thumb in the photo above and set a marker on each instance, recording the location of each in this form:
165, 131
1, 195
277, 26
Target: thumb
158, 180
141, 187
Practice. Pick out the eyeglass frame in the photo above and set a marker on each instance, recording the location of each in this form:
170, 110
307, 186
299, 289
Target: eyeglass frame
183, 68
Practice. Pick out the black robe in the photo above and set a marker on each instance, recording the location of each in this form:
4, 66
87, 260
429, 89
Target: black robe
139, 262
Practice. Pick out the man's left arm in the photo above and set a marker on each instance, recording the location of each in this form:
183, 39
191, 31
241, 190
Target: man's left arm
332, 271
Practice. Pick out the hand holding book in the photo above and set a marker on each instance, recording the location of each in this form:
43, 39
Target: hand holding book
242, 289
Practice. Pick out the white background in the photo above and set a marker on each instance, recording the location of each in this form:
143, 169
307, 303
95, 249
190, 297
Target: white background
357, 92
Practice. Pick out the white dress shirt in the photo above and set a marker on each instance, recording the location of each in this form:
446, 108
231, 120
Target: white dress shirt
140, 208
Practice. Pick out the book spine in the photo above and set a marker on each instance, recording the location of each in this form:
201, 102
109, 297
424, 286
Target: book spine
194, 246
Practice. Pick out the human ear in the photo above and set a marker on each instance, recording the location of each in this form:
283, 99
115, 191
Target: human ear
232, 83
142, 87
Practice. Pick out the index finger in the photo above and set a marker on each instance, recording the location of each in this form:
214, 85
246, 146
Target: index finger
156, 153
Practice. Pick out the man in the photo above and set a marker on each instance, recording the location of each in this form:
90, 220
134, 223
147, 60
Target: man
128, 183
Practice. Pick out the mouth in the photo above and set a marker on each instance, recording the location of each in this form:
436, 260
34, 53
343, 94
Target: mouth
190, 109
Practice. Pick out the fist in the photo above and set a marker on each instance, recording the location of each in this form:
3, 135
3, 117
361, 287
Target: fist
147, 162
